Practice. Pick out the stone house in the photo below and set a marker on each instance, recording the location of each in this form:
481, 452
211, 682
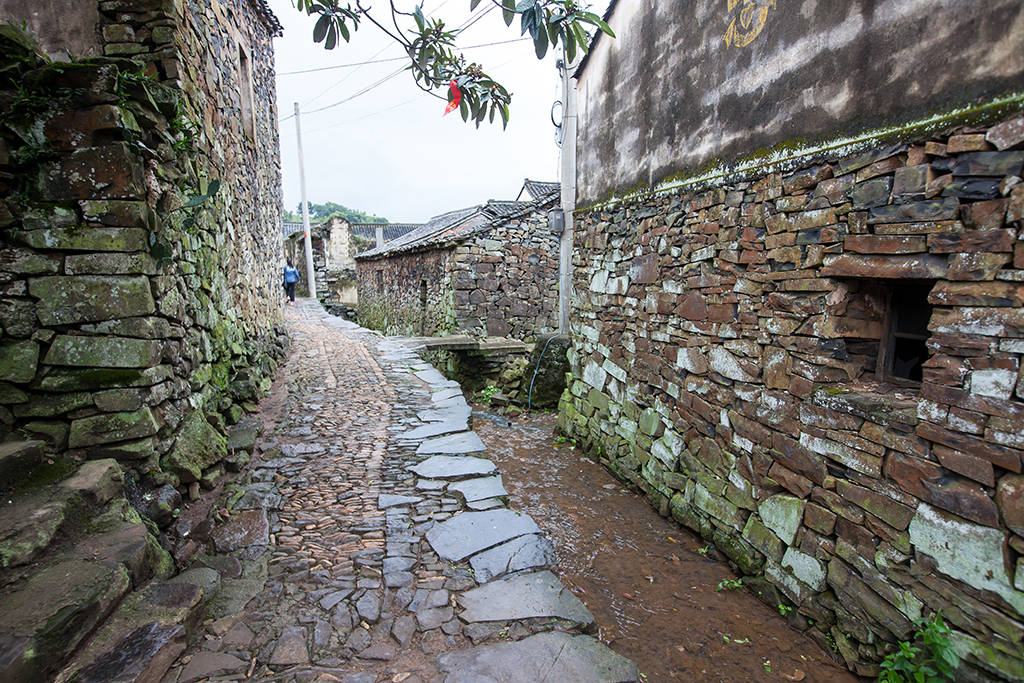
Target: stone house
486, 270
137, 322
335, 244
798, 308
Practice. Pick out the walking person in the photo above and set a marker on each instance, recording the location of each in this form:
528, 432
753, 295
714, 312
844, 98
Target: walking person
291, 276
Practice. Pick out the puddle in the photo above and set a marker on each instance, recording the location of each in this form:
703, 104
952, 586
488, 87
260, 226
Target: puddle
644, 578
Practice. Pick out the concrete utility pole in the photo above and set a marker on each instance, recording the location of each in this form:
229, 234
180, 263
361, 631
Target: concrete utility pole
568, 183
310, 273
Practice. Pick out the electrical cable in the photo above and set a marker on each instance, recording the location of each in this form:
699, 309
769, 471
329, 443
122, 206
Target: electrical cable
529, 397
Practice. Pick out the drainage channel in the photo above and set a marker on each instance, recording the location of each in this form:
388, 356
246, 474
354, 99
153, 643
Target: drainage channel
658, 592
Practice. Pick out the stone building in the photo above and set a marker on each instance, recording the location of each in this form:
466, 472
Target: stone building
798, 311
335, 244
140, 303
487, 270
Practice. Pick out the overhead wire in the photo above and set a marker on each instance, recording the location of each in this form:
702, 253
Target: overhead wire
472, 19
393, 59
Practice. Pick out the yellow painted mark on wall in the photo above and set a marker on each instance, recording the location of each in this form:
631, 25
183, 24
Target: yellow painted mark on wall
749, 23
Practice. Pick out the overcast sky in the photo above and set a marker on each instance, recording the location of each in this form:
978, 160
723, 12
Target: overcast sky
389, 151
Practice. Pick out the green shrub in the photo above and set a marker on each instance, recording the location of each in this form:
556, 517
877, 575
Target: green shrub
929, 658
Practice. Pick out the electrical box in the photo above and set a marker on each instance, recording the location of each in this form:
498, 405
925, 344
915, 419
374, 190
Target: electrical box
556, 221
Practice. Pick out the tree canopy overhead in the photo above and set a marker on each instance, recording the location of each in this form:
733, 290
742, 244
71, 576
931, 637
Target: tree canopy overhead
431, 46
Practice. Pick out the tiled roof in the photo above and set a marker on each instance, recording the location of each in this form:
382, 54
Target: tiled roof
269, 17
368, 230
460, 224
289, 228
392, 231
538, 189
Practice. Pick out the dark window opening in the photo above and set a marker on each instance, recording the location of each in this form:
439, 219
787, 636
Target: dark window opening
247, 112
903, 347
423, 307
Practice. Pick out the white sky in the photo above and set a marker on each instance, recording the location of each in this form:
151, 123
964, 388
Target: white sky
389, 152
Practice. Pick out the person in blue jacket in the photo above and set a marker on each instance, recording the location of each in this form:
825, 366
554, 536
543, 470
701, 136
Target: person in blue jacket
291, 276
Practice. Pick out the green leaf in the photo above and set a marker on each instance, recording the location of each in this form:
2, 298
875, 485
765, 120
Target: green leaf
473, 4
540, 43
526, 23
213, 187
581, 37
161, 251
320, 30
605, 28
344, 30
332, 38
570, 47
194, 201
508, 11
464, 109
525, 5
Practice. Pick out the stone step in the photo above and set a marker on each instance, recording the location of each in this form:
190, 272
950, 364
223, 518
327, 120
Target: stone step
71, 552
552, 656
18, 459
44, 618
142, 638
32, 519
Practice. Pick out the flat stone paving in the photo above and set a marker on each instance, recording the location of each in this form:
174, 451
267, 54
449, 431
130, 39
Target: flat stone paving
370, 540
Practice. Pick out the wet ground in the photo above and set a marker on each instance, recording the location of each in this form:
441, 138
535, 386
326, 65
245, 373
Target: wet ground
650, 583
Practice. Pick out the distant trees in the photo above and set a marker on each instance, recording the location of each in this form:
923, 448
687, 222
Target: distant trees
321, 212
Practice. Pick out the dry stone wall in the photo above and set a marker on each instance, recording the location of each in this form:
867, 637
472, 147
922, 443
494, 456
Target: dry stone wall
499, 282
134, 327
725, 349
506, 281
408, 294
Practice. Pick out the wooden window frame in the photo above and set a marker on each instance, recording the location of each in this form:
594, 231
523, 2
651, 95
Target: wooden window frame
887, 343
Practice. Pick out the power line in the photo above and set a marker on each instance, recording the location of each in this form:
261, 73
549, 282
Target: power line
465, 25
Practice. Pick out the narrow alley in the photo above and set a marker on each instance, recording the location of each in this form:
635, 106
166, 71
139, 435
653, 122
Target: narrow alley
335, 560
366, 543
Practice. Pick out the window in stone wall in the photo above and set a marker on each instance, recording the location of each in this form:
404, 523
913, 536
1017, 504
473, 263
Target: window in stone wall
903, 349
885, 328
247, 113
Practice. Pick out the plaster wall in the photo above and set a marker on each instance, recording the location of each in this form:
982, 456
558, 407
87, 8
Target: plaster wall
692, 86
58, 26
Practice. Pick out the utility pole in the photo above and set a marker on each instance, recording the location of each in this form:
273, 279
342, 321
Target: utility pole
310, 273
567, 160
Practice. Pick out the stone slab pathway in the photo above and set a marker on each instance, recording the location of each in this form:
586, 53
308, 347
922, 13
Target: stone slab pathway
370, 540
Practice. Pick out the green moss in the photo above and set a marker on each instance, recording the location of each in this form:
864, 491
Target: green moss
220, 375
51, 471
796, 152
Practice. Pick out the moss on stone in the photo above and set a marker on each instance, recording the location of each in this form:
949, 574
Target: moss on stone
197, 447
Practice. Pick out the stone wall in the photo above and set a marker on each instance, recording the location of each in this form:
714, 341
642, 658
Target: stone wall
725, 353
499, 282
133, 326
408, 294
334, 265
506, 281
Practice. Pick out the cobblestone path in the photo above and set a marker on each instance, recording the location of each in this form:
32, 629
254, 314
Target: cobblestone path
370, 539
